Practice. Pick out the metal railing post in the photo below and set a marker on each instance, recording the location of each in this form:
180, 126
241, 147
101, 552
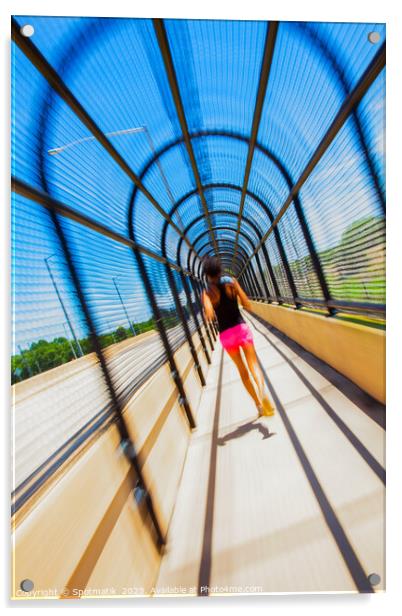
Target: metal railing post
285, 262
252, 281
165, 341
271, 272
313, 253
194, 315
183, 318
251, 290
208, 324
258, 260
256, 281
209, 330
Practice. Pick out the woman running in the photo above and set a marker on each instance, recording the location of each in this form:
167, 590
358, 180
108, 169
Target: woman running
221, 300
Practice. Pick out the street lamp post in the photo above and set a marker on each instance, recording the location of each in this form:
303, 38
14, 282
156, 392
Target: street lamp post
124, 308
25, 361
126, 131
46, 259
69, 341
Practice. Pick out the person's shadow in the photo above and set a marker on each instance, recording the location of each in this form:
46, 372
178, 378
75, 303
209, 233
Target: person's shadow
245, 429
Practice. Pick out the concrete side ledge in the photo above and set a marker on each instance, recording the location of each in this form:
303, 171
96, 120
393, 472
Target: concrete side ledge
354, 350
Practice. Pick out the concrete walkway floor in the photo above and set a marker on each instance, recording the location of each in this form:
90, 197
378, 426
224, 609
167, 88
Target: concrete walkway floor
289, 503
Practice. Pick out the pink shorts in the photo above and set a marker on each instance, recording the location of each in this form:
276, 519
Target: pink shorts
235, 337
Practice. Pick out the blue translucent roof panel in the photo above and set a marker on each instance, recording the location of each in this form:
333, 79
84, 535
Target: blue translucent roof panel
116, 70
217, 65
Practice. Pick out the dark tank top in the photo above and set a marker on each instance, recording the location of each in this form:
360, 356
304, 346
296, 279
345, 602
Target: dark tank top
227, 311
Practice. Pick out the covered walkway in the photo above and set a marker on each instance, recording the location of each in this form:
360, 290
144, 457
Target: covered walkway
139, 147
293, 502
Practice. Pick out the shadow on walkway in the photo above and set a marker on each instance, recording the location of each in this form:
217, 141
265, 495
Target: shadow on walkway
245, 429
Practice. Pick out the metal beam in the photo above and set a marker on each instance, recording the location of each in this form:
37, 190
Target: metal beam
161, 35
225, 261
278, 240
32, 193
262, 88
282, 253
194, 314
314, 38
351, 101
182, 313
223, 228
226, 213
225, 253
58, 85
288, 179
224, 243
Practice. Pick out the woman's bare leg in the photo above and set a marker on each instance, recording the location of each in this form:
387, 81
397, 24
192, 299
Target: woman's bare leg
244, 375
254, 367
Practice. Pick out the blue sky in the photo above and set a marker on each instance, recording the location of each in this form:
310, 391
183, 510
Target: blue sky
115, 69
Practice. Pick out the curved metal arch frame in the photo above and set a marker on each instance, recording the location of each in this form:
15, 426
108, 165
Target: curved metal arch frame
219, 185
254, 283
276, 232
241, 252
215, 133
288, 179
226, 245
258, 261
245, 219
246, 236
223, 253
224, 228
223, 244
315, 41
313, 38
226, 213
198, 135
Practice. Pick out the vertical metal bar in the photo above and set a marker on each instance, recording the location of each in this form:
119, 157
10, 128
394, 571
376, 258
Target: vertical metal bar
252, 281
285, 262
164, 47
266, 64
271, 272
264, 282
208, 329
194, 315
256, 281
210, 325
183, 318
165, 341
313, 253
251, 290
244, 285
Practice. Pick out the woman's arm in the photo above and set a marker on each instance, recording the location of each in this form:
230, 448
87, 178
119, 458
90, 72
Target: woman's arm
208, 307
244, 300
